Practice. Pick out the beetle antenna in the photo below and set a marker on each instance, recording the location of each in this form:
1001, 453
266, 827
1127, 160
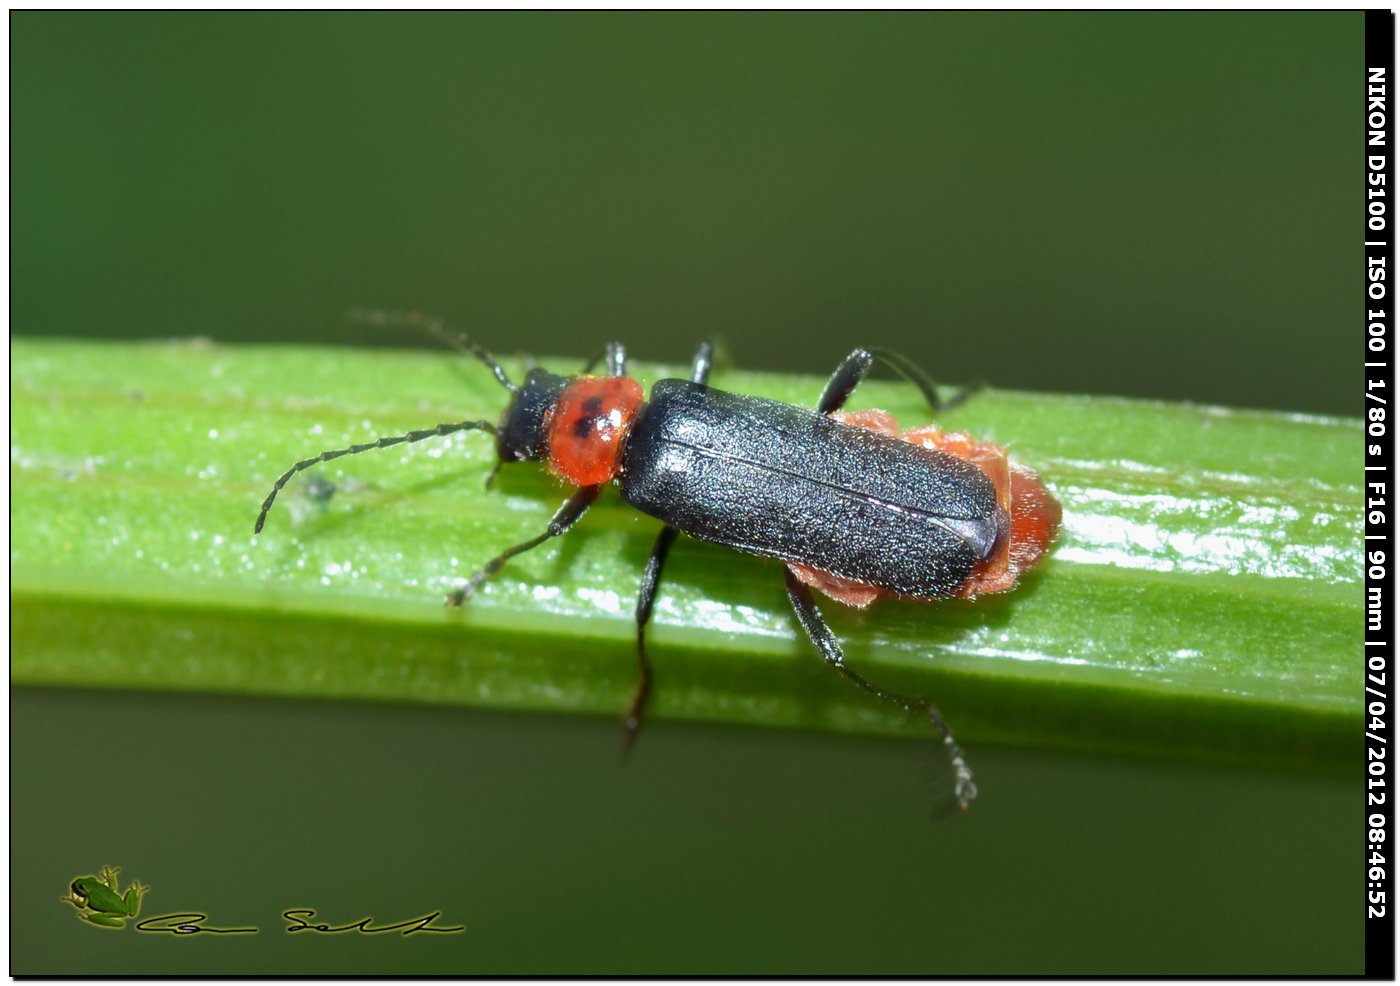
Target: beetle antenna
455, 339
412, 436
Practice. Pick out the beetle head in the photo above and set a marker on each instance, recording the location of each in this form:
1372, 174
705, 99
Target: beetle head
523, 436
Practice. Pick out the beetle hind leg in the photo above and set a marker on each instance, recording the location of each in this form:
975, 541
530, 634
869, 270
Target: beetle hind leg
854, 368
825, 641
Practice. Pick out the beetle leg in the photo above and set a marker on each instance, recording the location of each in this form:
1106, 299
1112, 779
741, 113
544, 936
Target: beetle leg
566, 516
700, 366
616, 357
650, 579
848, 375
613, 356
617, 360
825, 640
855, 366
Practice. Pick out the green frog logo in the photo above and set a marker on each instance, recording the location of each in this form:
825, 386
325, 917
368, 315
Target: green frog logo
99, 901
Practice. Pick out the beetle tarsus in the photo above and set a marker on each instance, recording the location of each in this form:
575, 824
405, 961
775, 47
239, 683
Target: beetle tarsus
961, 397
631, 725
632, 722
963, 787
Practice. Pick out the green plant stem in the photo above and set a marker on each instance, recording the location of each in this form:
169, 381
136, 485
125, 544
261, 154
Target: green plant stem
1204, 599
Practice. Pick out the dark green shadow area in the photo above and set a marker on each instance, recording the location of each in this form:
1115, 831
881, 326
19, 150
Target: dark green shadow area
714, 850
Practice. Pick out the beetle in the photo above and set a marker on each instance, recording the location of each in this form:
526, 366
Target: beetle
855, 508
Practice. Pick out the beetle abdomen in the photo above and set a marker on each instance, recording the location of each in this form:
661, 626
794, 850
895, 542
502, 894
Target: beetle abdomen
780, 481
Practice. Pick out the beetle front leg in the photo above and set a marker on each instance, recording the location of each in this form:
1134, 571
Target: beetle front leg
567, 515
855, 366
825, 640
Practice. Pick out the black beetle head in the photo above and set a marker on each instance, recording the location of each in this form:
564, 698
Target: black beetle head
522, 435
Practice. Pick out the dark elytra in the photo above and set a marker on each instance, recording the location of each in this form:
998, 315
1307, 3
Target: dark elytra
780, 481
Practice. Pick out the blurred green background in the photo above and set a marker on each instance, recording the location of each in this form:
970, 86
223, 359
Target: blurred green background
1152, 204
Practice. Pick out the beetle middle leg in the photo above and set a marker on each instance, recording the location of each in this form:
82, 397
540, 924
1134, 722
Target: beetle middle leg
704, 359
645, 599
855, 366
825, 640
564, 518
651, 579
